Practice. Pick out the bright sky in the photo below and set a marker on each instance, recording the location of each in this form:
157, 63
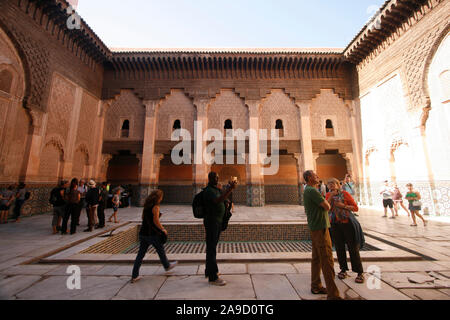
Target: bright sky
227, 23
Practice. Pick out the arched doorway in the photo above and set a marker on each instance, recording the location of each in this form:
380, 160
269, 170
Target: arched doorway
123, 169
437, 133
331, 165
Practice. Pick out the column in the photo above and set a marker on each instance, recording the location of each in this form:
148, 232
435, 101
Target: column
255, 179
300, 170
30, 169
72, 135
200, 169
97, 161
357, 172
147, 182
305, 134
315, 156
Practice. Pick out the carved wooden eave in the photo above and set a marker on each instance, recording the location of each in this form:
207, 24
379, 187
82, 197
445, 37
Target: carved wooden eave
52, 16
392, 17
227, 64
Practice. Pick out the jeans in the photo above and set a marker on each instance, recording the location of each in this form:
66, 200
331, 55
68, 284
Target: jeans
212, 230
145, 242
322, 259
101, 214
72, 212
18, 206
343, 234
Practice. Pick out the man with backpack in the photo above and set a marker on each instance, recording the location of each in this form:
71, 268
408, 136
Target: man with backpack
213, 208
59, 205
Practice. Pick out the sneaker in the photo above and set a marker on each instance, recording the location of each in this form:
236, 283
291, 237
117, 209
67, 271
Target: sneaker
321, 290
218, 282
172, 265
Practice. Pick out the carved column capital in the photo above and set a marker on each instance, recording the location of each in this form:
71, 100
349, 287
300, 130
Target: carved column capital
304, 106
151, 107
104, 106
254, 107
202, 104
36, 118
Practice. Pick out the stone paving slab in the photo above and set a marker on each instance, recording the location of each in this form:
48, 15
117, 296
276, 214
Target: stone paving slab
144, 289
239, 287
226, 268
384, 292
303, 267
267, 268
92, 288
179, 270
29, 269
273, 287
425, 294
12, 285
86, 270
12, 262
302, 285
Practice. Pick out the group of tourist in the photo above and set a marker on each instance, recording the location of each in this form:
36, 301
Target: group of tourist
68, 201
393, 198
329, 217
12, 196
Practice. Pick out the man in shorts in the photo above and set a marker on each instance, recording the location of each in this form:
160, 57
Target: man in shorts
387, 192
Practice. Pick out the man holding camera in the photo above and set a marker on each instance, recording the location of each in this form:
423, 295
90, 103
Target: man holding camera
214, 201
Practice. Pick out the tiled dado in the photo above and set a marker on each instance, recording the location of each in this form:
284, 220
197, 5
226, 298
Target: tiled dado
251, 195
38, 202
241, 232
435, 198
283, 194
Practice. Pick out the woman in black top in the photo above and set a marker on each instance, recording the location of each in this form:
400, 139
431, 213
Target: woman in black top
151, 233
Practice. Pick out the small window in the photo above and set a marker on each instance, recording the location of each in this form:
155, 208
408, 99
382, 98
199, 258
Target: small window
279, 126
125, 132
228, 128
228, 124
329, 128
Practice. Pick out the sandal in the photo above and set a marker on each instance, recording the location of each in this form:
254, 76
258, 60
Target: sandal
136, 279
342, 275
414, 225
359, 278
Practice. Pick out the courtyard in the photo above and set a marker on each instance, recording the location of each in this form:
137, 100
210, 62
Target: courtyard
413, 263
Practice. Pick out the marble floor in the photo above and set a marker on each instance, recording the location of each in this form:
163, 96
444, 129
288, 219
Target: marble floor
23, 244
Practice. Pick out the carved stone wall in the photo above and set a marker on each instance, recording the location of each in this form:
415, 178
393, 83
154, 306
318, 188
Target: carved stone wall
61, 103
328, 106
176, 106
278, 105
86, 122
49, 163
228, 105
126, 106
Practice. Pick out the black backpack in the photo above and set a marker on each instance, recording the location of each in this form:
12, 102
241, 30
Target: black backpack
198, 205
53, 197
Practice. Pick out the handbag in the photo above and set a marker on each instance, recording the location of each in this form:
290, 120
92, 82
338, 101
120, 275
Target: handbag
227, 216
163, 237
417, 203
